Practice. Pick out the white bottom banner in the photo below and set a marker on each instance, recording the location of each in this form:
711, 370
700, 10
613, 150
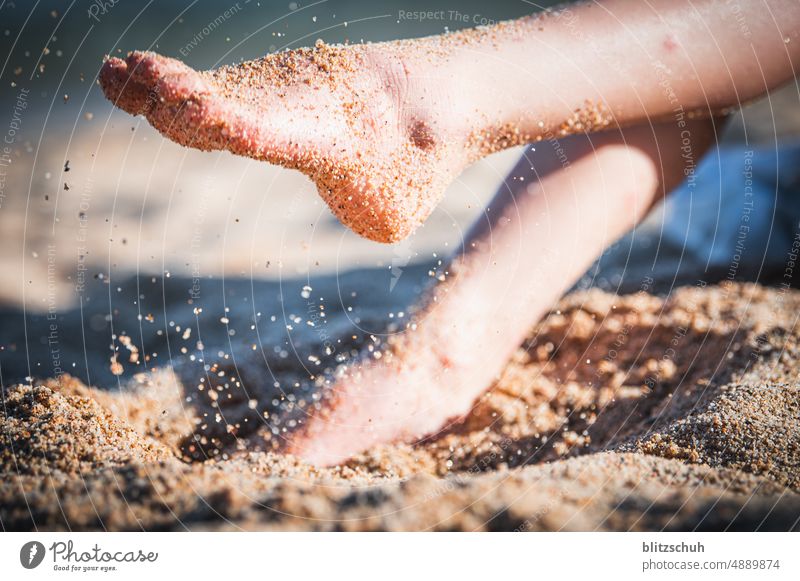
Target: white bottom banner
382, 556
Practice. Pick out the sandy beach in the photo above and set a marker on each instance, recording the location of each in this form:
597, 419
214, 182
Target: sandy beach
624, 413
162, 322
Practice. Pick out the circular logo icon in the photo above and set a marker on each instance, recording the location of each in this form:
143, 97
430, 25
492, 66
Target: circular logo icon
31, 554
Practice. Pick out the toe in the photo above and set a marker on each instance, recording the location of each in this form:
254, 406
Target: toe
120, 89
168, 78
175, 98
113, 75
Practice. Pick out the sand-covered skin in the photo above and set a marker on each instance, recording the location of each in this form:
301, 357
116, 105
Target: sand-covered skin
619, 413
319, 110
382, 129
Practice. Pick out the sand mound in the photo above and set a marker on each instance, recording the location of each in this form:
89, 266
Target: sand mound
750, 427
628, 412
62, 428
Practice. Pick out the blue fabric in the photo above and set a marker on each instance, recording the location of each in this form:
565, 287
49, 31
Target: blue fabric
738, 220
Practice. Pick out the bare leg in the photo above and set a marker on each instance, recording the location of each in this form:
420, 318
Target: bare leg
560, 207
384, 128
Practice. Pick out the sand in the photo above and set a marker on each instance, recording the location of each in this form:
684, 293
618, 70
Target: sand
631, 412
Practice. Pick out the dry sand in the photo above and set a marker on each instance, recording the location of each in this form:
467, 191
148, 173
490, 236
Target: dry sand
619, 413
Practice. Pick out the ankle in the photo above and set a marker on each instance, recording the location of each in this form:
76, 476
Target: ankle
433, 106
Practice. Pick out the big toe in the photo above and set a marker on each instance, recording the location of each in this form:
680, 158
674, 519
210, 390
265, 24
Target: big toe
120, 89
144, 79
170, 79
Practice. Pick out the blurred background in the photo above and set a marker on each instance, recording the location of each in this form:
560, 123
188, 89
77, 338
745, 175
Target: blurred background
110, 231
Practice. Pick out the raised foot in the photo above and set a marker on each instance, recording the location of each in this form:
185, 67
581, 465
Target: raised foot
380, 146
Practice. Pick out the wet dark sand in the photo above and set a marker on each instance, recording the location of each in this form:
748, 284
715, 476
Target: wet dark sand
618, 413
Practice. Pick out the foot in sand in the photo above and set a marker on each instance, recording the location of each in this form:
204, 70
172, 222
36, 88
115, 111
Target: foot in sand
417, 383
377, 130
490, 295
